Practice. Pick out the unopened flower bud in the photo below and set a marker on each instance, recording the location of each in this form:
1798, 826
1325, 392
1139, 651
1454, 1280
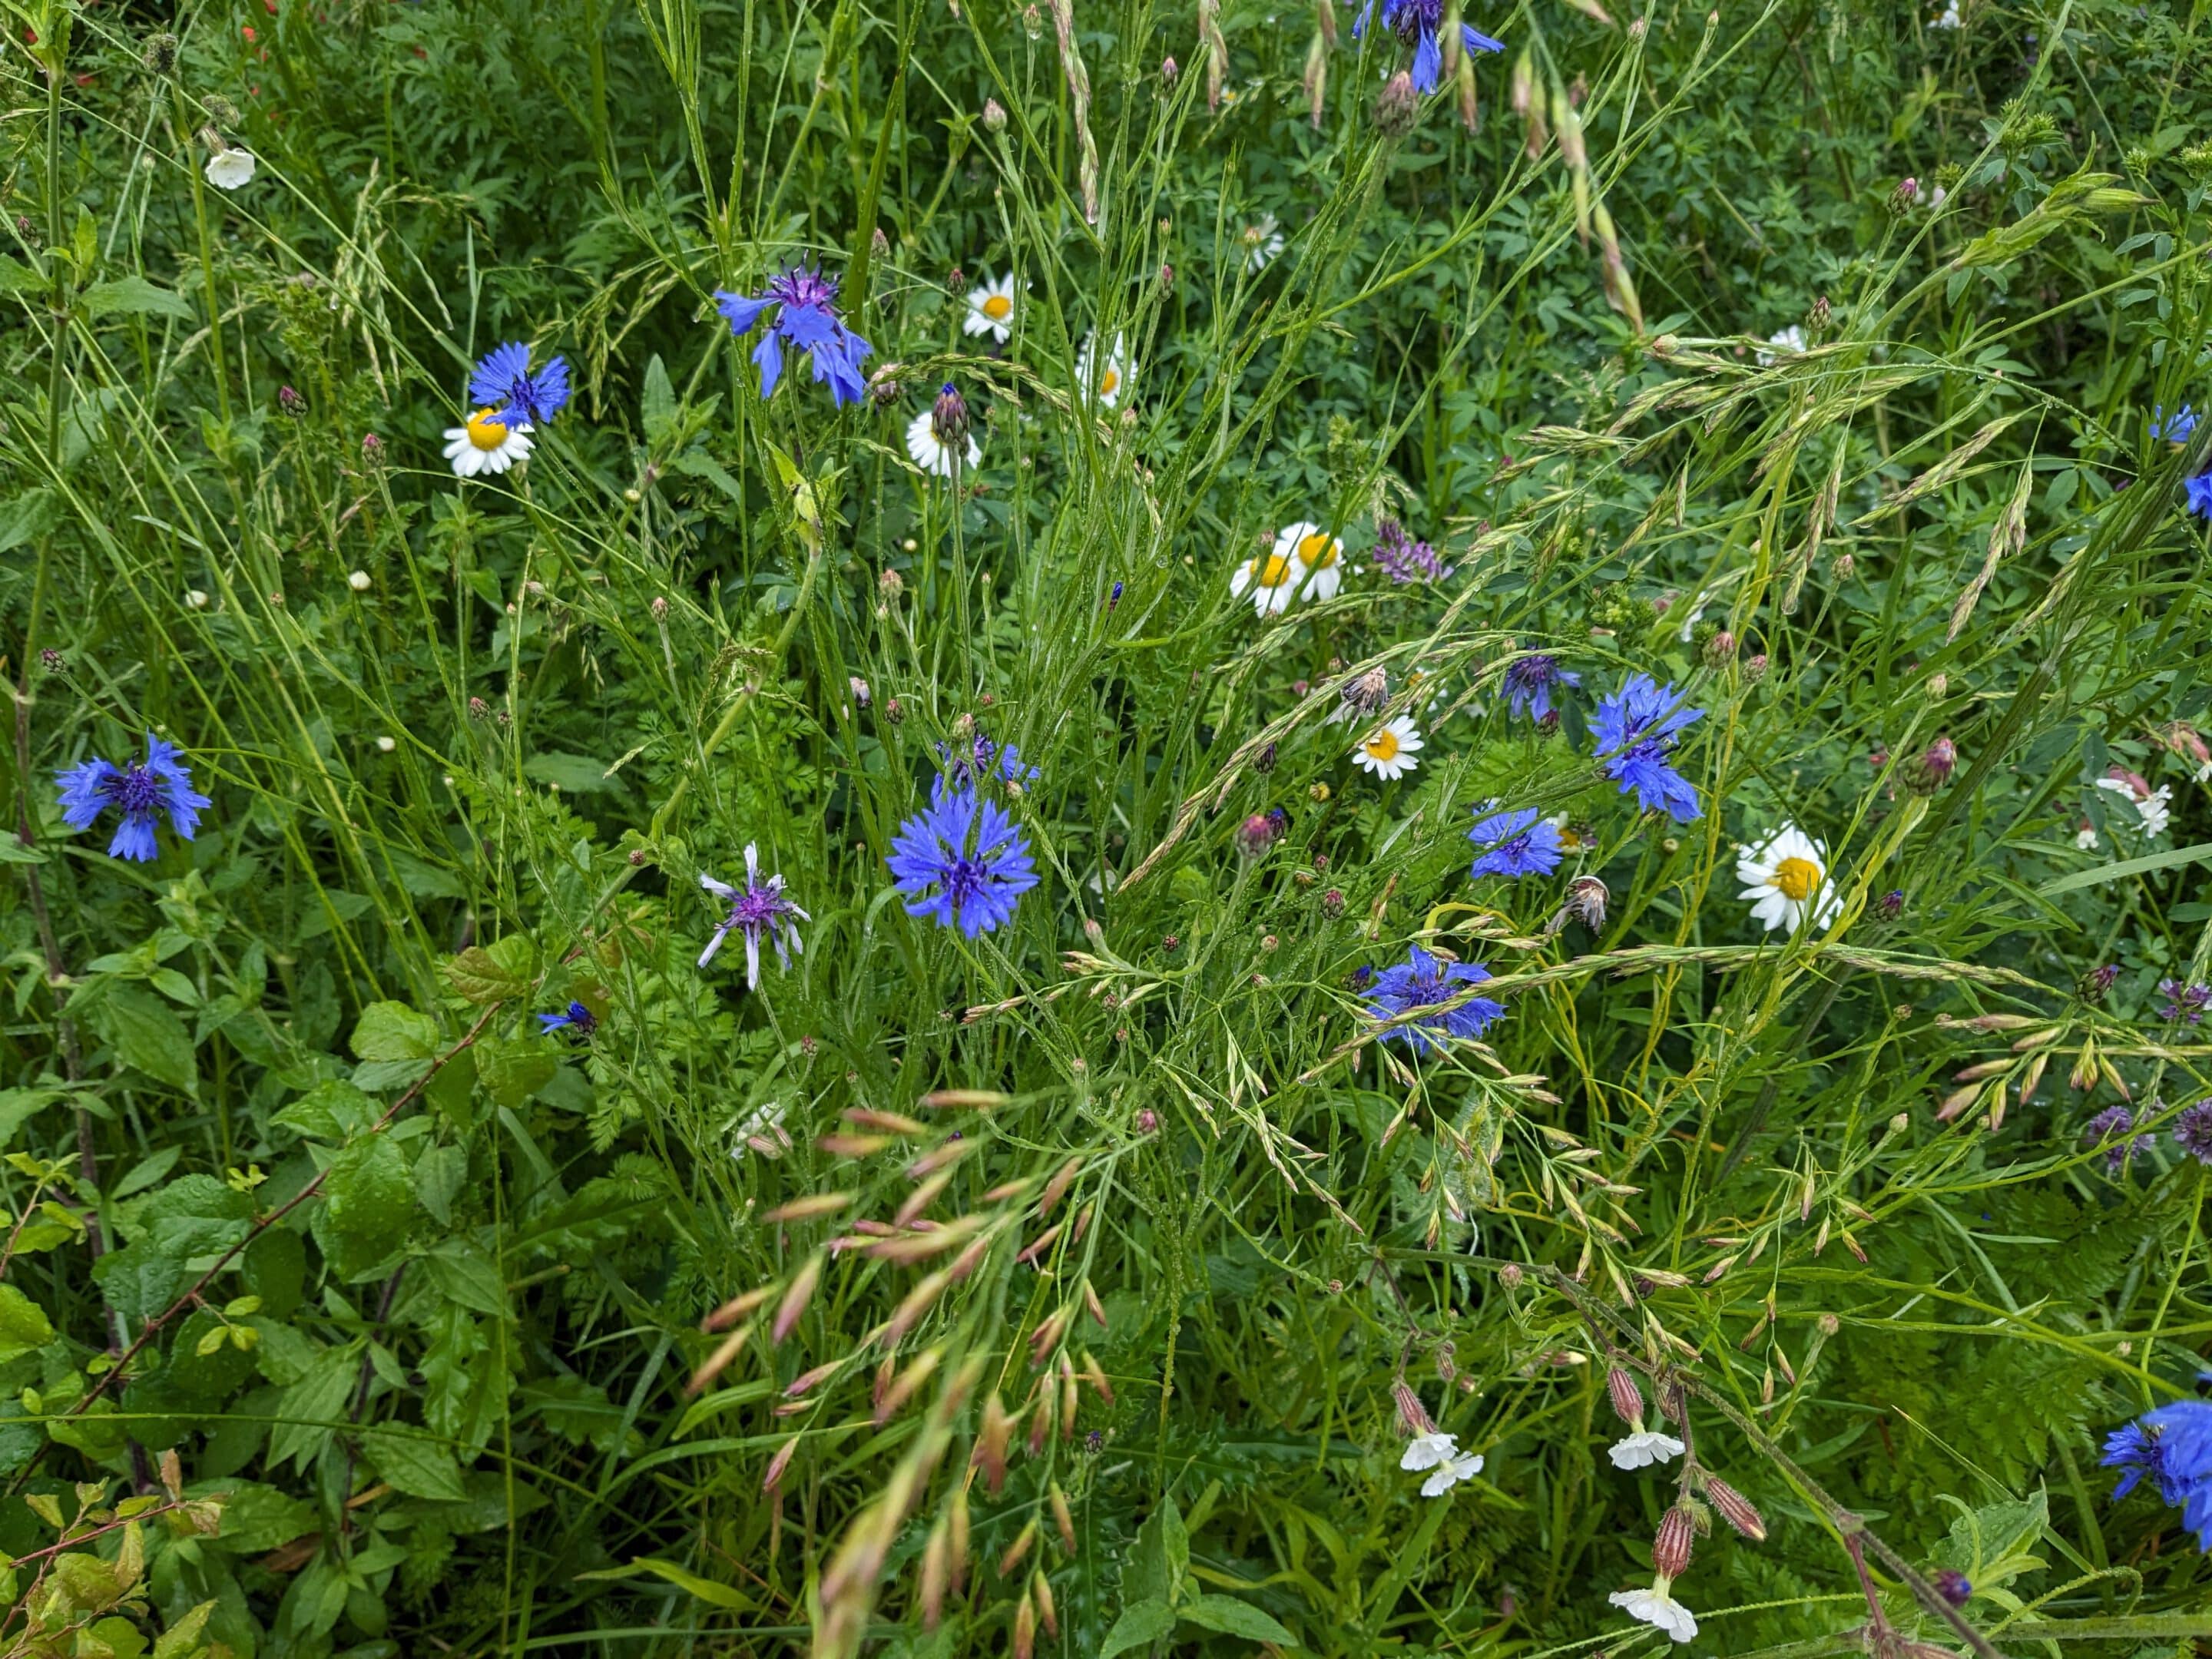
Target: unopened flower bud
1413, 1417
1256, 834
1937, 685
372, 449
478, 708
1906, 193
1264, 761
1754, 668
1332, 903
53, 662
1845, 564
881, 244
890, 584
1670, 1549
1167, 277
360, 581
994, 115
1719, 649
1954, 1586
196, 599
948, 419
1168, 73
894, 710
1627, 1399
291, 401
660, 608
1510, 1275
1926, 773
1548, 723
1733, 1507
2098, 981
1148, 1120
1396, 106
1890, 905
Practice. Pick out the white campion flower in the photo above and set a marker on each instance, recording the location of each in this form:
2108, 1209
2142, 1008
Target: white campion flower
2152, 805
1786, 342
1440, 1454
1655, 1607
1643, 1448
230, 168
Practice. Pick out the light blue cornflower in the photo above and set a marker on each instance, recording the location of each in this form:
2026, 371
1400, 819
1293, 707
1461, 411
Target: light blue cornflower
1635, 729
503, 384
575, 1019
759, 910
2173, 1446
1417, 22
1423, 981
963, 862
807, 320
1524, 842
139, 793
1529, 683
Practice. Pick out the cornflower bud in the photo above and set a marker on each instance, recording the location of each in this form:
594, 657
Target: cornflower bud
1331, 904
1754, 669
1719, 649
291, 401
1890, 905
994, 115
1954, 1586
1396, 106
1168, 73
1906, 193
2098, 981
1256, 834
949, 418
1927, 772
890, 584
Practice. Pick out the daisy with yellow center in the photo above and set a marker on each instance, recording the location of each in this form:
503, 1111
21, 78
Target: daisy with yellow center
1272, 578
483, 444
991, 308
1315, 558
1786, 878
1105, 378
1391, 750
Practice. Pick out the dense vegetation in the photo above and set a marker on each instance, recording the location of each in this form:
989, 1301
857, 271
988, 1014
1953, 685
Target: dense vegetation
1723, 454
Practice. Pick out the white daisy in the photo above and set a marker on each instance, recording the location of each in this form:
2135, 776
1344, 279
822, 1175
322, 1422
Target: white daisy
1787, 877
1104, 382
1390, 751
485, 446
991, 308
2151, 806
930, 452
1263, 243
1641, 1449
1271, 580
1786, 342
1656, 1608
230, 168
1427, 1451
1316, 559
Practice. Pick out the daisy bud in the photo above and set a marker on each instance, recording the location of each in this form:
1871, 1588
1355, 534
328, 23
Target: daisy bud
1395, 106
1670, 1549
1413, 1417
994, 115
1368, 693
1733, 1507
359, 581
1720, 649
1627, 1398
1586, 900
1754, 669
1927, 772
948, 419
1954, 1586
1168, 73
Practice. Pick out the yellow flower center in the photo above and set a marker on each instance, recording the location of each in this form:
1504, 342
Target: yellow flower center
1797, 879
1317, 551
997, 308
1111, 383
1270, 572
484, 432
1383, 746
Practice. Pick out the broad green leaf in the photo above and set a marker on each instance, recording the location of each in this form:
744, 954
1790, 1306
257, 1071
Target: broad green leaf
513, 1072
135, 296
1231, 1617
493, 973
393, 1031
369, 1197
1141, 1624
147, 1036
24, 1327
413, 1463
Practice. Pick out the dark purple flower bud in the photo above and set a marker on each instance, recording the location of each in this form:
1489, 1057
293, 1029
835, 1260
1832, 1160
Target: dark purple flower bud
1890, 905
948, 419
2098, 981
1115, 597
291, 401
1169, 72
1332, 903
1953, 1586
1264, 761
1928, 771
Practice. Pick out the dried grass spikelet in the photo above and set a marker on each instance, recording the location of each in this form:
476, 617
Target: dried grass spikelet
801, 1291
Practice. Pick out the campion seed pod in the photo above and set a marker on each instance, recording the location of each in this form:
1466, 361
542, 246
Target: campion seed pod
1733, 1507
778, 1464
1024, 1624
1670, 1547
1396, 106
994, 115
1018, 1550
1926, 773
1627, 1398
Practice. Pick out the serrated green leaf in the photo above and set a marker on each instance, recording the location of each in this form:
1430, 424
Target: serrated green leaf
1231, 1617
393, 1031
147, 1036
413, 1463
493, 973
24, 1327
1141, 1624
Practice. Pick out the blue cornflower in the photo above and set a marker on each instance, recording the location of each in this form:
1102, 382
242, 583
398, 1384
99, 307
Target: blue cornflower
1518, 843
1416, 22
575, 1017
2175, 429
1529, 683
2173, 1446
2198, 489
163, 784
504, 385
761, 910
1635, 728
1423, 980
967, 762
807, 321
963, 863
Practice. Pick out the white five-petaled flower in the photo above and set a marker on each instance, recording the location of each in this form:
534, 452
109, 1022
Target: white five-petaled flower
1949, 19
1105, 380
2151, 805
1655, 1607
1786, 877
1391, 750
230, 168
930, 452
483, 444
1440, 1454
991, 308
1641, 1449
1785, 343
1263, 243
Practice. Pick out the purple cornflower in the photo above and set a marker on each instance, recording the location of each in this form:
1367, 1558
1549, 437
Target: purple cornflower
1423, 980
1529, 683
2173, 1446
963, 863
2110, 1129
761, 908
576, 1019
807, 321
2175, 429
504, 385
1635, 728
1403, 559
967, 762
2184, 1001
2192, 1131
139, 793
1517, 843
1416, 22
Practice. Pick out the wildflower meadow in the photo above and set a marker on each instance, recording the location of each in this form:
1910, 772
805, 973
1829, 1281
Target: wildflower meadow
926, 828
